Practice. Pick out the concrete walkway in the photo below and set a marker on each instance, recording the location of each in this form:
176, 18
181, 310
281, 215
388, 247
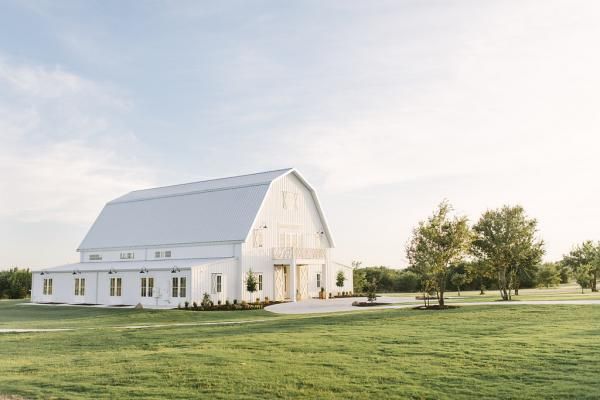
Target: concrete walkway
314, 306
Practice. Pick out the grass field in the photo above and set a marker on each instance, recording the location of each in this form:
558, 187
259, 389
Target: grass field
475, 352
568, 291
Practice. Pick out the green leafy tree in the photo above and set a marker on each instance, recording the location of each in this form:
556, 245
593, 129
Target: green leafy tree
436, 245
371, 289
583, 277
251, 283
407, 281
505, 240
548, 275
359, 277
459, 280
564, 271
340, 279
15, 283
587, 255
479, 272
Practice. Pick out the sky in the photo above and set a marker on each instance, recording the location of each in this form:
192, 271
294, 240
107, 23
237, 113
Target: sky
386, 107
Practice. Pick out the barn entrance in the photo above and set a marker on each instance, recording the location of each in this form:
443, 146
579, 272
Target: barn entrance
282, 282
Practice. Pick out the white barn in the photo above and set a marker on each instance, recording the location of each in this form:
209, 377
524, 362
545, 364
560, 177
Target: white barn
167, 245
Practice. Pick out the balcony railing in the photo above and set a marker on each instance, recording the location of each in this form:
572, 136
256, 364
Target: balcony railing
285, 253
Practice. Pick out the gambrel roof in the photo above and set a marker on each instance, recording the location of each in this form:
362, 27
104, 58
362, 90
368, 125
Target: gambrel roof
217, 210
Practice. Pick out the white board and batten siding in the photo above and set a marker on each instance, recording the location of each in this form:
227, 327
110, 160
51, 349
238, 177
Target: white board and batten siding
291, 217
203, 230
205, 280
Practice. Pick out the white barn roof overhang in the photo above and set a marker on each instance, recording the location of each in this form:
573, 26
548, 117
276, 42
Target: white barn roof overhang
132, 266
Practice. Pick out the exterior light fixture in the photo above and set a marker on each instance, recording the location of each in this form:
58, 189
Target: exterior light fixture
144, 270
175, 269
112, 271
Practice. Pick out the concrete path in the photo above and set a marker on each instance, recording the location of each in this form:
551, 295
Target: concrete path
314, 306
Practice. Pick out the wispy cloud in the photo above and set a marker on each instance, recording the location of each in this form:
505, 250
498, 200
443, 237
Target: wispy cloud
64, 152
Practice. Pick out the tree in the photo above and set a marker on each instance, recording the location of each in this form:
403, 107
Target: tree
15, 283
339, 279
480, 272
548, 275
564, 271
458, 280
407, 281
505, 240
436, 244
359, 278
585, 255
583, 277
371, 289
251, 283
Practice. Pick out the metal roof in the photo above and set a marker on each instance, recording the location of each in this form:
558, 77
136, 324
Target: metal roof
218, 210
134, 265
261, 178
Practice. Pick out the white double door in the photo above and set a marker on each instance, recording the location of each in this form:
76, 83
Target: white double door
282, 282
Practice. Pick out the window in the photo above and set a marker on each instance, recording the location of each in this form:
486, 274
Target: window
182, 286
147, 287
217, 283
127, 256
79, 286
318, 281
291, 239
260, 282
115, 287
258, 238
162, 254
95, 257
178, 287
290, 200
47, 287
175, 287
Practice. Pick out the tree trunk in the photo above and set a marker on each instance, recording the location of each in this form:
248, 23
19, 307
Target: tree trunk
441, 299
502, 284
458, 291
594, 279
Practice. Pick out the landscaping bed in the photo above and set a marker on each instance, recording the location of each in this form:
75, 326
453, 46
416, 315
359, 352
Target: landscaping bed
368, 304
227, 306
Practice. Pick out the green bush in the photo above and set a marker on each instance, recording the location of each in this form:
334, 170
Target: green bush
15, 283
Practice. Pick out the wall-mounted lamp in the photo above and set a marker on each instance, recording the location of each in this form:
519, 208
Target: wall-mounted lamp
144, 270
43, 273
175, 269
112, 271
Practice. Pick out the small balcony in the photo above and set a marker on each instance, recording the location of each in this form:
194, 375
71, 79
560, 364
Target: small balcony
298, 253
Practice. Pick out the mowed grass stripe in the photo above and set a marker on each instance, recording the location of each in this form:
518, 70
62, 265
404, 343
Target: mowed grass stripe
472, 352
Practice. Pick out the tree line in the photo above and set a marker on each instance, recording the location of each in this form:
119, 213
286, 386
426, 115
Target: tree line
15, 283
501, 251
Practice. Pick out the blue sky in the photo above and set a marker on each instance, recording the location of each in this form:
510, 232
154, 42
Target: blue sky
387, 107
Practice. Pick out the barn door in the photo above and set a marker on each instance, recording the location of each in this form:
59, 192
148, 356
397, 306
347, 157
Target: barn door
218, 287
302, 282
279, 282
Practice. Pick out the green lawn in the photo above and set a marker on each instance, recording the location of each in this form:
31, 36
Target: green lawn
472, 352
568, 291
